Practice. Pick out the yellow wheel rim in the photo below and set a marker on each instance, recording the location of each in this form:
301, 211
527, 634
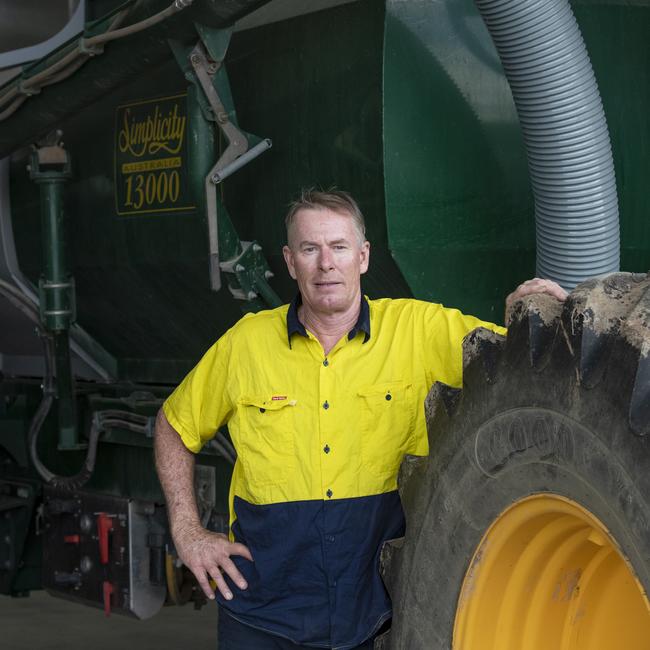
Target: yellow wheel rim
548, 575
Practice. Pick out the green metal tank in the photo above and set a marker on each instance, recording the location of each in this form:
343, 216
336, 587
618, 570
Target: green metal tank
402, 103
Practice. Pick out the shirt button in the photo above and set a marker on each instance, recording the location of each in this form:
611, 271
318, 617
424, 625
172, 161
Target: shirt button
326, 449
326, 405
389, 397
331, 538
326, 363
262, 410
329, 493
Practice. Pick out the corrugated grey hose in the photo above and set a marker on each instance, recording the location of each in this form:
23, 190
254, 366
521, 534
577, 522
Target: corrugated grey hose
567, 141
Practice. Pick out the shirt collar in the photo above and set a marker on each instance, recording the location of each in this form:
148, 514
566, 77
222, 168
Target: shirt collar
294, 326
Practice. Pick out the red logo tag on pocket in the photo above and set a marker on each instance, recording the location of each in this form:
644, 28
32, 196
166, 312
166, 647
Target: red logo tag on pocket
278, 398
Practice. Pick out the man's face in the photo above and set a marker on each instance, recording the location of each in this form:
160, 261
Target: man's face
327, 259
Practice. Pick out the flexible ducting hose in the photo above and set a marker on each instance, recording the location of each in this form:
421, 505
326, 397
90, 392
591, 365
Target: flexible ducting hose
569, 152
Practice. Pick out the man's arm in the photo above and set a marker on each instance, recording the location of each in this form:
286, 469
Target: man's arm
204, 552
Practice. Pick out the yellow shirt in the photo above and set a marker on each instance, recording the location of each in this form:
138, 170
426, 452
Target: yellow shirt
304, 424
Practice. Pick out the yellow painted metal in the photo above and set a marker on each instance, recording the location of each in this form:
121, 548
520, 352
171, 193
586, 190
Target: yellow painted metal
548, 574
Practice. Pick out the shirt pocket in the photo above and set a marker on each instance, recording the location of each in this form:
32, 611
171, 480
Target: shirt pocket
386, 417
266, 440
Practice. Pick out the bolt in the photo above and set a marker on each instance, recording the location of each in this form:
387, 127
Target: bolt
257, 248
239, 268
195, 59
85, 564
268, 274
251, 295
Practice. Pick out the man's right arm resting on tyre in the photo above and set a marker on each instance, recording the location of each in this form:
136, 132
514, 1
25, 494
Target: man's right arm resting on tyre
206, 554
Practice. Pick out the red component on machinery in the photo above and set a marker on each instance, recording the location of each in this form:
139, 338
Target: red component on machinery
107, 589
104, 527
71, 539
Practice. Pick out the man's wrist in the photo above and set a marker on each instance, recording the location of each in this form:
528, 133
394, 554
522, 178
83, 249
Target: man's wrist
187, 529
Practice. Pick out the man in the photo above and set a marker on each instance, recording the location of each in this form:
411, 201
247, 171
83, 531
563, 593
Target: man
322, 398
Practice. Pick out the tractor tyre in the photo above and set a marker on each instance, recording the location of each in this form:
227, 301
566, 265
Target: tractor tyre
528, 525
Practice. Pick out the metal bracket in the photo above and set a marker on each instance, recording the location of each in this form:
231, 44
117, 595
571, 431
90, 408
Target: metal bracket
50, 162
237, 144
248, 267
57, 303
238, 151
205, 69
89, 50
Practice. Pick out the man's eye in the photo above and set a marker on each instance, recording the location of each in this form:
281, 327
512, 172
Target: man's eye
309, 249
340, 247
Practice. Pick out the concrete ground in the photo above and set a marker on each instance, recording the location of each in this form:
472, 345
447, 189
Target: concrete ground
42, 622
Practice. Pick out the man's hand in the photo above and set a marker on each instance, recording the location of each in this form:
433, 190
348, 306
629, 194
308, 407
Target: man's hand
207, 554
204, 552
536, 285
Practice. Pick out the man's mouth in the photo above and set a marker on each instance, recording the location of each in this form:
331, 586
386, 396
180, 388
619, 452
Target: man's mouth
327, 284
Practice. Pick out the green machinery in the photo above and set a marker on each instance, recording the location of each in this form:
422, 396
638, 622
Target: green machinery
146, 165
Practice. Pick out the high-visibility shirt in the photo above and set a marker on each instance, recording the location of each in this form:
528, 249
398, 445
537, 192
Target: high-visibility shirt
319, 441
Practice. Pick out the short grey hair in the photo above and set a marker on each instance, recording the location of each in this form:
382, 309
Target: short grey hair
336, 200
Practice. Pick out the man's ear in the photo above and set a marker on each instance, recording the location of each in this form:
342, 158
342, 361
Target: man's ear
288, 258
365, 256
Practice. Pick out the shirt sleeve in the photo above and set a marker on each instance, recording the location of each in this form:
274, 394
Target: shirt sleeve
445, 330
201, 403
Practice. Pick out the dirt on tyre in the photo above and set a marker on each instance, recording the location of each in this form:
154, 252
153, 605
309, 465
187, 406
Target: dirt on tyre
528, 526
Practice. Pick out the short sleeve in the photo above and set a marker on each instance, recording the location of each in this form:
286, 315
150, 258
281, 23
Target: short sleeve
445, 330
201, 403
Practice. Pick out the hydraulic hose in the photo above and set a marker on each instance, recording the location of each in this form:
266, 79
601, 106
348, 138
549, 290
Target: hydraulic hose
85, 49
565, 133
27, 307
112, 34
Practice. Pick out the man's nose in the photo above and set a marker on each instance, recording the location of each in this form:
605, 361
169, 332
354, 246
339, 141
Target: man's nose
326, 259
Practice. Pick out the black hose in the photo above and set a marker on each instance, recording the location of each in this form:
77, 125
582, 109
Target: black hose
74, 482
